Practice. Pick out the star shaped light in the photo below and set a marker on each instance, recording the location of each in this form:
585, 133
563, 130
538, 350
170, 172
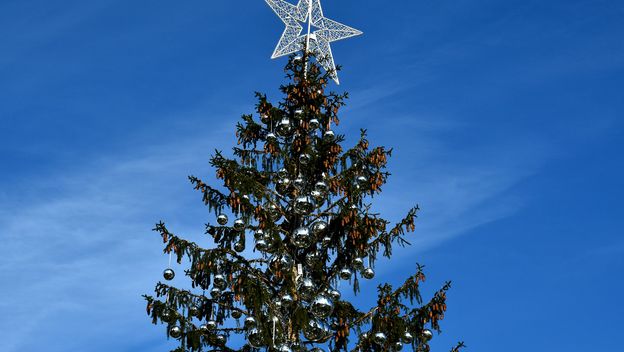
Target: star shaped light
294, 38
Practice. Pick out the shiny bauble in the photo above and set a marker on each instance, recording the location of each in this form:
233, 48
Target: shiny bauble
265, 118
334, 294
166, 315
239, 224
259, 235
314, 124
284, 127
397, 346
271, 136
427, 335
298, 112
318, 227
220, 340
318, 197
326, 242
239, 246
304, 205
169, 274
282, 173
407, 337
361, 180
204, 329
302, 238
236, 314
280, 263
306, 289
194, 311
321, 307
313, 331
313, 258
274, 210
262, 245
175, 332
215, 293
283, 348
255, 338
322, 187
329, 136
222, 219
250, 323
286, 301
345, 274
299, 182
368, 273
211, 325
380, 338
358, 263
219, 282
282, 185
304, 159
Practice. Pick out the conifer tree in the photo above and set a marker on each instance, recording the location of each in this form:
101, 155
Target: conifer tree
292, 219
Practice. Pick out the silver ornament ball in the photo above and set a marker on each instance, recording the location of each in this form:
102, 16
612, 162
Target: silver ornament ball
322, 307
169, 274
379, 338
222, 219
239, 224
427, 335
302, 238
239, 246
345, 274
318, 227
175, 331
368, 273
219, 282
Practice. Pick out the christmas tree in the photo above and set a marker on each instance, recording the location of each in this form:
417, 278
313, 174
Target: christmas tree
292, 219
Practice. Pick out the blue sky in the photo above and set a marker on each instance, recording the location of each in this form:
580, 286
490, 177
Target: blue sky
505, 116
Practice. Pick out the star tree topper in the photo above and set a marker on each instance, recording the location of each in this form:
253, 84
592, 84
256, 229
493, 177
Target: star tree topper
311, 13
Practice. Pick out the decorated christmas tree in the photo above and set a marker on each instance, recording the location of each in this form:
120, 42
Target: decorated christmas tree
292, 219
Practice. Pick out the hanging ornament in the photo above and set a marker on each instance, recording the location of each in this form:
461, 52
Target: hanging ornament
313, 331
302, 238
305, 158
321, 307
262, 245
284, 127
329, 136
299, 182
334, 294
397, 346
275, 212
236, 314
282, 185
304, 205
407, 338
264, 118
282, 173
239, 246
169, 274
222, 219
219, 282
215, 293
345, 274
358, 263
286, 301
326, 242
306, 289
239, 224
259, 234
280, 263
204, 329
167, 315
314, 124
175, 331
298, 112
313, 258
255, 338
322, 187
271, 136
380, 338
284, 348
220, 340
427, 335
250, 323
194, 311
361, 180
368, 273
318, 227
318, 197
211, 325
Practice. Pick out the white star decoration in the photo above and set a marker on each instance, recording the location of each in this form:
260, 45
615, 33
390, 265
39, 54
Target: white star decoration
293, 38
